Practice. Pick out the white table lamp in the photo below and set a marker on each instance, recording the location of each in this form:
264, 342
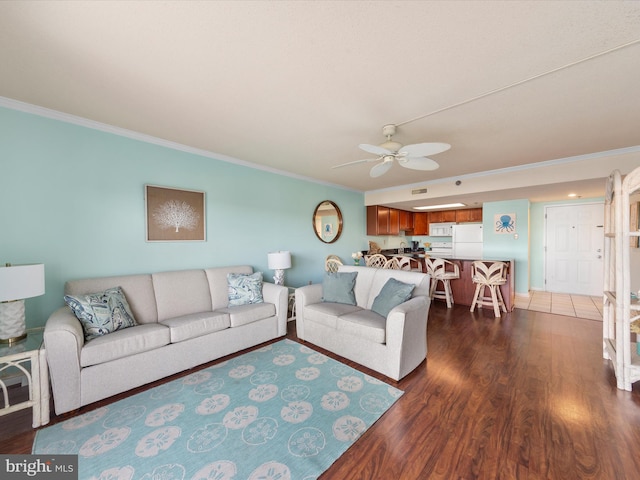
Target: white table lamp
17, 283
279, 261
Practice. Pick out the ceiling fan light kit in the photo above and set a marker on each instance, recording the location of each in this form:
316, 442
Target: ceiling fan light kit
408, 156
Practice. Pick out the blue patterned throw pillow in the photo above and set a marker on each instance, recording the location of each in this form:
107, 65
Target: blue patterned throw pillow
101, 313
392, 294
244, 289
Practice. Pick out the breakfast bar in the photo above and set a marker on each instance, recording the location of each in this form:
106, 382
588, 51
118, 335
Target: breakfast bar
463, 288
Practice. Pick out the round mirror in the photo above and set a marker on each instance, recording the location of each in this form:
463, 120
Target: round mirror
327, 221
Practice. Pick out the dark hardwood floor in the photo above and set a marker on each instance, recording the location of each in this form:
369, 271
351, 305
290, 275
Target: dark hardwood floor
527, 396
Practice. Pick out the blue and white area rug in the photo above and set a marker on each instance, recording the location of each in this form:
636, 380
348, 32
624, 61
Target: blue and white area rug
283, 411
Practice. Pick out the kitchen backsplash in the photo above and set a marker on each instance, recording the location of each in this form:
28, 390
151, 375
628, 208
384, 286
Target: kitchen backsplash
390, 242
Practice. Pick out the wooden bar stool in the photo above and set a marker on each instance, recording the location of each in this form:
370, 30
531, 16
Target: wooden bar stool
442, 271
489, 275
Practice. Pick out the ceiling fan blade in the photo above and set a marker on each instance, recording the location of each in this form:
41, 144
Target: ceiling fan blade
381, 168
418, 163
375, 149
355, 162
424, 149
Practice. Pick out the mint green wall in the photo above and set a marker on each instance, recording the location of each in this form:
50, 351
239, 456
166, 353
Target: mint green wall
537, 237
73, 199
496, 245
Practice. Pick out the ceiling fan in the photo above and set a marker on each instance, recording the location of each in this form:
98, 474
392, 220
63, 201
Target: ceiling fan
409, 156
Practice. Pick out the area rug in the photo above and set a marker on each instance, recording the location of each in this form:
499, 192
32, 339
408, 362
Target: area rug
283, 411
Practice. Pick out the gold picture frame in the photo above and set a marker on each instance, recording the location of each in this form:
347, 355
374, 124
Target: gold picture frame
174, 214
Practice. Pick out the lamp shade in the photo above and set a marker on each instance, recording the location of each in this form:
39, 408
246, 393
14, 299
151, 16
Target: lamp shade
279, 260
18, 282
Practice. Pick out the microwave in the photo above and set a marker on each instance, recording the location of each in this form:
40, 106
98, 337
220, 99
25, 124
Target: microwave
441, 229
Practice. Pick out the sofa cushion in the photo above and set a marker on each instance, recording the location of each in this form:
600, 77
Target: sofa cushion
124, 343
181, 292
364, 324
218, 288
363, 283
244, 289
327, 313
420, 280
337, 287
392, 294
138, 289
101, 313
196, 325
244, 314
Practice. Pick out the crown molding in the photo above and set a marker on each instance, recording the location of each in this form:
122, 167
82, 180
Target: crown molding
123, 132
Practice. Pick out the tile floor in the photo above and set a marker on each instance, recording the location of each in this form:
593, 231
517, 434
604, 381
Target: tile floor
562, 304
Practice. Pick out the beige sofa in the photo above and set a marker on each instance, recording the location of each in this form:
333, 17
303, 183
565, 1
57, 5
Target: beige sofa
183, 320
393, 346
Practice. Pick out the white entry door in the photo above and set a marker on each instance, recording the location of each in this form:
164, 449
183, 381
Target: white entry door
574, 242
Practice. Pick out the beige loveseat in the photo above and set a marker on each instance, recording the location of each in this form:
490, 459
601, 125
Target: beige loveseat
393, 345
183, 320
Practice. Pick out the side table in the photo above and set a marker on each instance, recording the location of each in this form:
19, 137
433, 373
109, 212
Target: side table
28, 357
291, 313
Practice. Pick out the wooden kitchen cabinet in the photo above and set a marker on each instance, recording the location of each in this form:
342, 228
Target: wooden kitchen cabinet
390, 221
382, 220
394, 221
467, 215
420, 223
442, 216
406, 220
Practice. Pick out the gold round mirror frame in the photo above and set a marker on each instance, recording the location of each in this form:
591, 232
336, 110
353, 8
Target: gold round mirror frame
327, 221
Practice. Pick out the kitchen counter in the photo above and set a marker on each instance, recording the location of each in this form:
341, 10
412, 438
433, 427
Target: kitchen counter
463, 288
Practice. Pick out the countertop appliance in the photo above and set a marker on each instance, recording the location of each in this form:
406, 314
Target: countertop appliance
467, 241
415, 245
441, 249
440, 229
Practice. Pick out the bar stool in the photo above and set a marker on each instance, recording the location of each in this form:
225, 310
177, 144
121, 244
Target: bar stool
377, 260
489, 275
332, 263
392, 264
408, 263
442, 271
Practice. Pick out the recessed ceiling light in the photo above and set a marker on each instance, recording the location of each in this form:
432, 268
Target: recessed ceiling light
447, 205
572, 195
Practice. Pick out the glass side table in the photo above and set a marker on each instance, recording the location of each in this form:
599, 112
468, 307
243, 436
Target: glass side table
27, 358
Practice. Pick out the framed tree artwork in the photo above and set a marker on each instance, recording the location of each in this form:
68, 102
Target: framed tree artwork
174, 214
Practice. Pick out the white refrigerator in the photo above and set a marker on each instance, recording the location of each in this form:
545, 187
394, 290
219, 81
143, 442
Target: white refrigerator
467, 241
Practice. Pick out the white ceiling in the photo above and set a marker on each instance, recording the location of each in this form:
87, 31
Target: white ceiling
295, 86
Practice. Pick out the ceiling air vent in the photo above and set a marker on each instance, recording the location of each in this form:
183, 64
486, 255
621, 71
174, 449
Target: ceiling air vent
418, 191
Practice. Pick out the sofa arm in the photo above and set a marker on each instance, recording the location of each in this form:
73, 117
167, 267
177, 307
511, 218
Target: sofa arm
63, 341
407, 329
408, 319
307, 295
279, 296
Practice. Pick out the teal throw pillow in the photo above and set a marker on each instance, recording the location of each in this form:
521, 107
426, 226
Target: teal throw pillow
392, 294
337, 287
244, 289
101, 313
